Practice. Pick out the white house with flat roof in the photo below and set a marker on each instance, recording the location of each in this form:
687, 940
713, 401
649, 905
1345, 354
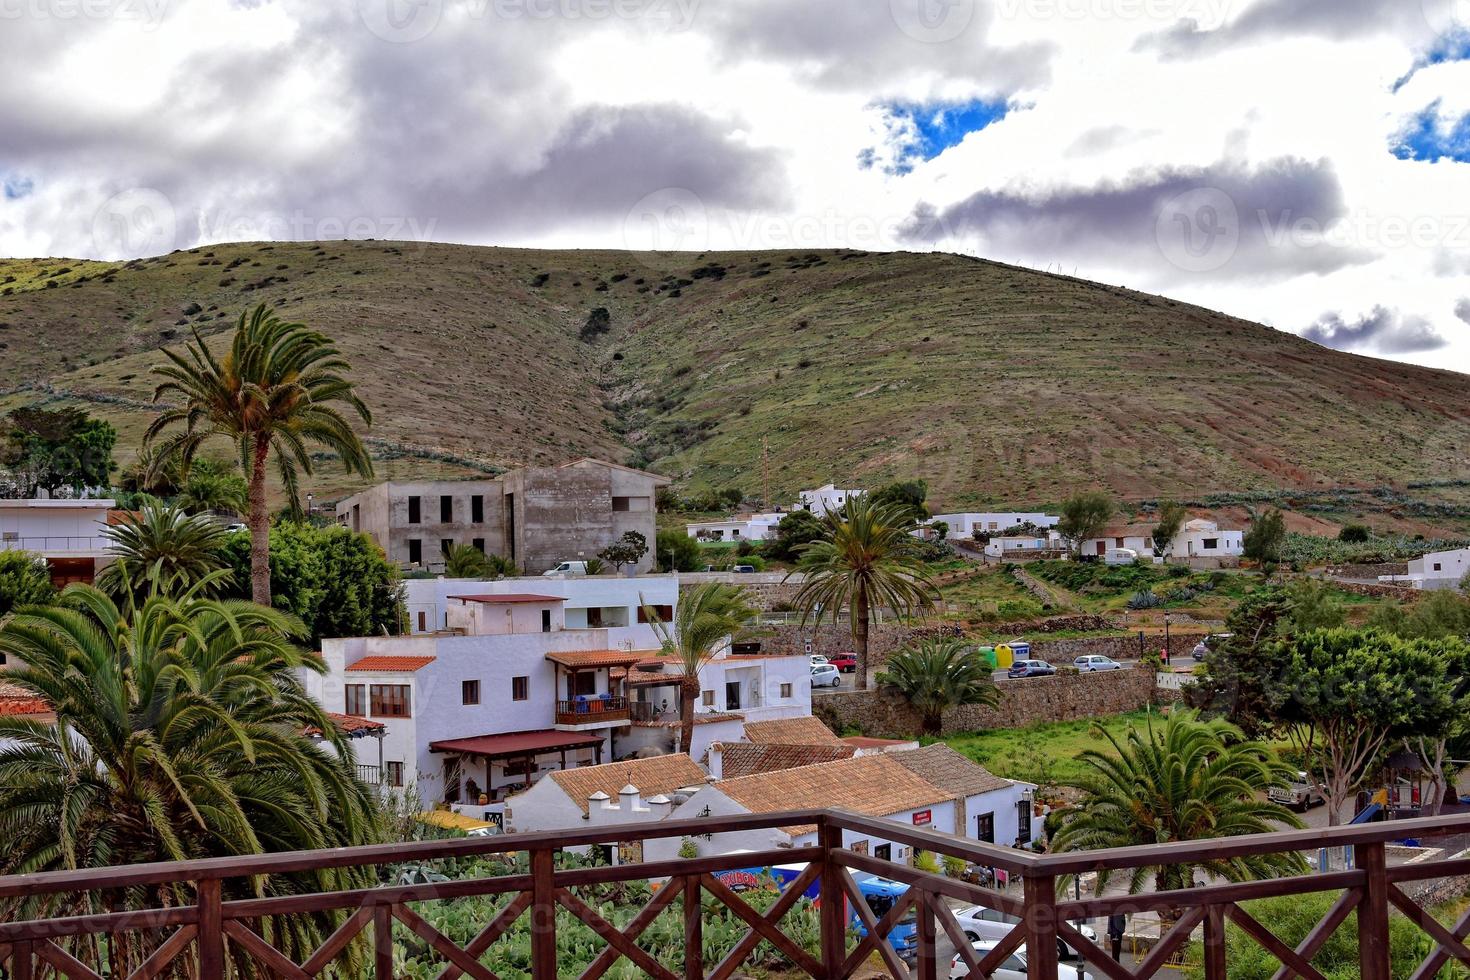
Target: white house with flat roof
968, 524
1436, 570
760, 527
592, 601
67, 533
827, 498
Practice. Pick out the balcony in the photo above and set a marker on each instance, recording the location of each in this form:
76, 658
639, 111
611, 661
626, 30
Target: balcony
591, 711
370, 775
191, 938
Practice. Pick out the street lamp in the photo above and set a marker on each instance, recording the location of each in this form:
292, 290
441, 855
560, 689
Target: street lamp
310, 505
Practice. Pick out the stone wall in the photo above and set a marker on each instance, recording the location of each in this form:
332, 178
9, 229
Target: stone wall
1371, 571
884, 638
1401, 592
767, 590
1034, 700
1124, 647
830, 638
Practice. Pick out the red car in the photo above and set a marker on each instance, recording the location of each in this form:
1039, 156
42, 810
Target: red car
845, 662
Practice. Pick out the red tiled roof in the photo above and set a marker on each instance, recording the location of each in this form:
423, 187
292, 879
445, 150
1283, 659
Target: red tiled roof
702, 718
864, 742
746, 759
516, 743
804, 730
19, 701
596, 658
349, 725
509, 598
651, 777
391, 664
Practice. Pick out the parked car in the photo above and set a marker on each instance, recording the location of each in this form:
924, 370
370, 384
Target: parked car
817, 659
1031, 668
1300, 795
1095, 662
1013, 967
743, 569
845, 662
1202, 649
1120, 556
416, 874
567, 568
981, 924
825, 675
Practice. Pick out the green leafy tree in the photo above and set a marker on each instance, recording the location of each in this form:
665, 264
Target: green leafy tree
25, 580
1265, 538
940, 529
162, 549
334, 579
793, 532
1083, 517
179, 734
936, 675
1354, 534
1171, 519
467, 561
1189, 780
864, 561
627, 550
273, 395
907, 496
51, 450
1440, 613
706, 617
677, 552
1314, 605
1343, 694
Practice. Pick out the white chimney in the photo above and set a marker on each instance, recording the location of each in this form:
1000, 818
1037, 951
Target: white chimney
628, 798
660, 806
596, 803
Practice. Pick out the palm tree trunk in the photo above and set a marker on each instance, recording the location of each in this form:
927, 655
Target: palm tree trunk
688, 690
260, 527
860, 636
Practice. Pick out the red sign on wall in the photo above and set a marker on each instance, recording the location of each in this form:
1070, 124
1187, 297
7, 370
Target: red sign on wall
923, 818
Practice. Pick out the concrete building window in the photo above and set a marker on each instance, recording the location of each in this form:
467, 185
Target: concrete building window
356, 517
446, 509
520, 688
546, 620
786, 690
707, 698
1437, 567
445, 546
394, 773
391, 701
415, 551
985, 828
469, 692
664, 613
1023, 821
355, 699
415, 510
1210, 543
477, 509
479, 544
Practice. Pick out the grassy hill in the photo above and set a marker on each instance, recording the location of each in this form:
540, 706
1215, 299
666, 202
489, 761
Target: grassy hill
994, 383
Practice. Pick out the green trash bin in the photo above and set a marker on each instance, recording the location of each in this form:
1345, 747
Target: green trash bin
988, 655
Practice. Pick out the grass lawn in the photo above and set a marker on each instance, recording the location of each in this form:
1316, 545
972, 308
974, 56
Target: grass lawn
1042, 753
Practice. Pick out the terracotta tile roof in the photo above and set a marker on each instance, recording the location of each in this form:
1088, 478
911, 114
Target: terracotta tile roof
874, 785
746, 759
596, 658
650, 677
864, 742
350, 725
949, 770
701, 718
805, 730
509, 598
660, 775
391, 664
19, 701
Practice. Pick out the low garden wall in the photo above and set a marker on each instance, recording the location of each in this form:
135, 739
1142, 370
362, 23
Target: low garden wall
1124, 647
1034, 700
885, 638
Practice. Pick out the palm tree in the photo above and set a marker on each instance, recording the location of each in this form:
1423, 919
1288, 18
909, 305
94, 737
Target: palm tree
209, 487
863, 560
161, 548
467, 561
179, 734
939, 674
1190, 780
272, 393
705, 618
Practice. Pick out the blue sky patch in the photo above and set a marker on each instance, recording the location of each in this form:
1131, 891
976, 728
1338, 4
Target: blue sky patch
1454, 46
919, 131
1427, 137
16, 188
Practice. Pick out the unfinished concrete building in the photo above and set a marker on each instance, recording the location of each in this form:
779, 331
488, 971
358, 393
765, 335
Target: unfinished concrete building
535, 517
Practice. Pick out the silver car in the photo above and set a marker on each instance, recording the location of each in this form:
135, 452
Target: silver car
825, 675
1095, 662
1013, 967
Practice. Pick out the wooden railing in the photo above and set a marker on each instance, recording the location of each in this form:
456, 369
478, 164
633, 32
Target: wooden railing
196, 939
592, 711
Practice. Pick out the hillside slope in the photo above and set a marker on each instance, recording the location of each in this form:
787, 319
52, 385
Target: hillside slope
992, 382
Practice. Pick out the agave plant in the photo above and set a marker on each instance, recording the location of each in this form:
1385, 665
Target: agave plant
1144, 600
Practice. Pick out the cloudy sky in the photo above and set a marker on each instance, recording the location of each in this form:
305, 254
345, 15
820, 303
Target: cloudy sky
1305, 163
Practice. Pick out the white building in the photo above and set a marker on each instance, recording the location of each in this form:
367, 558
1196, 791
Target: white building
1436, 570
827, 498
966, 525
632, 791
1202, 538
988, 808
592, 601
1023, 546
67, 533
761, 527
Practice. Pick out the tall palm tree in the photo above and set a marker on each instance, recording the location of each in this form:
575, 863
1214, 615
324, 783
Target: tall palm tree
179, 734
161, 548
272, 393
704, 619
1189, 780
939, 674
863, 560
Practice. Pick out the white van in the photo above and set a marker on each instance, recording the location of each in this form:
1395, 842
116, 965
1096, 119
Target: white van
567, 568
1120, 556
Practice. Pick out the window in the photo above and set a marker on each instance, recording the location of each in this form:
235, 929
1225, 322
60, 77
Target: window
477, 509
415, 551
423, 621
445, 546
594, 617
520, 688
395, 773
479, 545
1023, 821
1210, 543
637, 505
1119, 542
546, 620
786, 690
1437, 566
707, 698
884, 852
985, 827
620, 505
664, 613
391, 701
415, 510
355, 699
446, 509
469, 692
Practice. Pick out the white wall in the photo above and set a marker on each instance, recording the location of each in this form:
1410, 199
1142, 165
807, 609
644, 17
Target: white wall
1003, 803
966, 524
431, 596
55, 528
1452, 566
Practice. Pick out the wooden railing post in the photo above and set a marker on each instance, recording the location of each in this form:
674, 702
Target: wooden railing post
1040, 921
211, 929
834, 902
1373, 958
693, 930
383, 942
22, 961
1214, 943
925, 909
543, 914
